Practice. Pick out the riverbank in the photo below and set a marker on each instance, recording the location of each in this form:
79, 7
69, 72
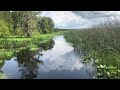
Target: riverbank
101, 44
56, 60
10, 45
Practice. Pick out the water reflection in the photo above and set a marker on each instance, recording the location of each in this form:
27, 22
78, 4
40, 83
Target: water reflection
1, 65
25, 65
28, 64
62, 61
57, 60
47, 45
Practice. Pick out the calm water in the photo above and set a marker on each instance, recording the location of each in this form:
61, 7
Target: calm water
55, 61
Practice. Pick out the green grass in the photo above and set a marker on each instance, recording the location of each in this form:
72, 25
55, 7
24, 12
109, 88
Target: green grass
42, 36
10, 45
102, 43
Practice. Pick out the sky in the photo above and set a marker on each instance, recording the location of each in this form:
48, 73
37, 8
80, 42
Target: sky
78, 19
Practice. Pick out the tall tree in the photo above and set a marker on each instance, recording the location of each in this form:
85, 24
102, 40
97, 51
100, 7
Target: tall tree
51, 24
16, 15
27, 20
44, 25
6, 23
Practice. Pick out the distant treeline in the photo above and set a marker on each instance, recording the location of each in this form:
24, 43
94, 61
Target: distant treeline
26, 23
57, 29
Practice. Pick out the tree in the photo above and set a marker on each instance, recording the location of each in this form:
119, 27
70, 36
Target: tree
4, 29
27, 20
16, 20
44, 25
6, 16
24, 23
51, 24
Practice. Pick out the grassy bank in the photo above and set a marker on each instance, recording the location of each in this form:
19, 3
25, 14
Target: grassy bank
10, 45
102, 43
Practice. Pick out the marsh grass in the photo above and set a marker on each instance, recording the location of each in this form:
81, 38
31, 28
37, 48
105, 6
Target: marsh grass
102, 43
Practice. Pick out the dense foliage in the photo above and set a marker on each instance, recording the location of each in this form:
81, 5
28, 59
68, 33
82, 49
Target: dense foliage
24, 23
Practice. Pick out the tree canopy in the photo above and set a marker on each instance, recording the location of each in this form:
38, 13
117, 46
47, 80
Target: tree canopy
24, 23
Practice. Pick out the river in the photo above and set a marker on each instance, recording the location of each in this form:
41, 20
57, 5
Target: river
57, 62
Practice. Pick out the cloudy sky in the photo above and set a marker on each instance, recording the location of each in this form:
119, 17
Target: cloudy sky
78, 19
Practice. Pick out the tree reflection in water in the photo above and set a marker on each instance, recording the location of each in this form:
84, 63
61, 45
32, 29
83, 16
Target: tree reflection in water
1, 65
28, 64
47, 45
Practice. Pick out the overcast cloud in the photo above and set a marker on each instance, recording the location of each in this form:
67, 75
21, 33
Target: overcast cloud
78, 19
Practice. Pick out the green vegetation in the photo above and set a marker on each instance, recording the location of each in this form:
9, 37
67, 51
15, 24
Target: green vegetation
23, 29
100, 43
3, 76
24, 23
9, 46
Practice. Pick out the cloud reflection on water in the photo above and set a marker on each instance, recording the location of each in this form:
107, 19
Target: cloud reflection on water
61, 57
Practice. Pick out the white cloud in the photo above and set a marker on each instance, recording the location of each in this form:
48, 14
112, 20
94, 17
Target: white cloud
96, 14
65, 19
77, 19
